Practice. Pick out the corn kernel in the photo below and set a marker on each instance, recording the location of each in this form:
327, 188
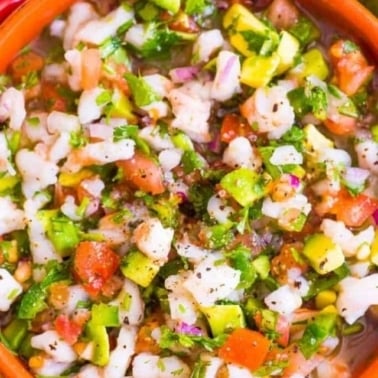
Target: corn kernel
79, 347
325, 298
36, 362
330, 309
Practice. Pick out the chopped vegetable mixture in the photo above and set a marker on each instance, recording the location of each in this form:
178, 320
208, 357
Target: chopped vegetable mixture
188, 189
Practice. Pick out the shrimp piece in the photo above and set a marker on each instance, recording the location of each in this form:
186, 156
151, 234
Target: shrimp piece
270, 111
12, 106
297, 364
99, 153
191, 106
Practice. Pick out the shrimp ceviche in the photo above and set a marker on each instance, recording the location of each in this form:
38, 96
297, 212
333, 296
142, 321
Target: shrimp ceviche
188, 189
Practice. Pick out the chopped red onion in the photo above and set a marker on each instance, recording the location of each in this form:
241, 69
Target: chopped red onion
215, 144
189, 329
375, 217
295, 181
183, 74
183, 196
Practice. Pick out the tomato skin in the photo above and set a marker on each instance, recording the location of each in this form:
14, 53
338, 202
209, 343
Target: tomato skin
67, 329
286, 260
343, 125
351, 68
51, 97
246, 348
25, 64
90, 68
94, 265
353, 210
143, 173
233, 127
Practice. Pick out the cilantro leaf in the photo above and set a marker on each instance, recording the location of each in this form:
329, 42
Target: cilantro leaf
171, 340
142, 92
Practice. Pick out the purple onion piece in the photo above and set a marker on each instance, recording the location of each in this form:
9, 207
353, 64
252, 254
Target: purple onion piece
295, 181
183, 74
189, 329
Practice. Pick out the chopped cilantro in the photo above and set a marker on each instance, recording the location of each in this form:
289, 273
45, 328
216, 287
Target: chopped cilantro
171, 340
305, 31
142, 92
349, 47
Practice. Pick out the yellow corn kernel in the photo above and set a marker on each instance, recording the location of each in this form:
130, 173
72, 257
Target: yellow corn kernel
325, 298
374, 250
36, 362
12, 252
79, 347
330, 309
74, 179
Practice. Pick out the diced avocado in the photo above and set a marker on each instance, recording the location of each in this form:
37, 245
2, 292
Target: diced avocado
15, 332
182, 141
262, 265
239, 18
257, 71
26, 350
313, 63
374, 250
172, 6
148, 12
61, 231
244, 185
122, 107
105, 315
247, 33
101, 347
224, 318
8, 182
323, 254
287, 50
139, 268
74, 179
315, 141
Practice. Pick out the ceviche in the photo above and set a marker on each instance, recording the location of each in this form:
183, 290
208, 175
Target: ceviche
188, 189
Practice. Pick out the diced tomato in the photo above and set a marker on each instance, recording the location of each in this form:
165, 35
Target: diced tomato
90, 68
287, 259
350, 66
25, 64
341, 125
246, 348
51, 97
353, 210
67, 329
94, 265
283, 329
232, 127
144, 173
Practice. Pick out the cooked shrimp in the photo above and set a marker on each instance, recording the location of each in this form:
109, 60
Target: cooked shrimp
269, 111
